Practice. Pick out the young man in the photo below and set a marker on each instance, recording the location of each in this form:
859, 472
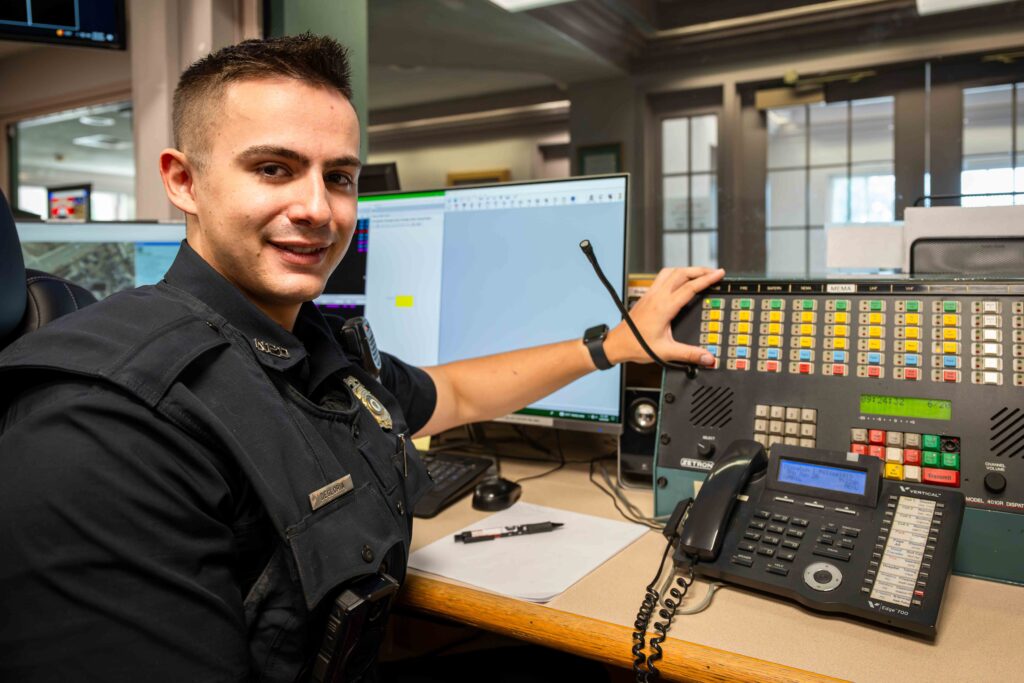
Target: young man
190, 472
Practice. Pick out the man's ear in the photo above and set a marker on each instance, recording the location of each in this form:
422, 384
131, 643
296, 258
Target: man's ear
179, 178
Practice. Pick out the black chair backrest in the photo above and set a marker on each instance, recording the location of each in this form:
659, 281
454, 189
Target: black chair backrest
12, 273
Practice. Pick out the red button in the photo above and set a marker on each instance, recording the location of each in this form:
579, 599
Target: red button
804, 368
949, 375
919, 593
874, 371
911, 456
877, 452
930, 475
838, 369
772, 366
876, 436
910, 373
859, 448
741, 364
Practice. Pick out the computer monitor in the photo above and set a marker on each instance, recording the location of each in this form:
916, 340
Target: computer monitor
472, 271
102, 257
89, 23
345, 291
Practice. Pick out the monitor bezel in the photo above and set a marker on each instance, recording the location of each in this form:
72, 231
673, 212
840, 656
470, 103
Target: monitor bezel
119, 43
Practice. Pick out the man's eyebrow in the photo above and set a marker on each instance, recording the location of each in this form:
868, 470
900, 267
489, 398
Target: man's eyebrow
284, 152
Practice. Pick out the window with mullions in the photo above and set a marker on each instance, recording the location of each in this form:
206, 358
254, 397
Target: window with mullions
993, 147
689, 190
828, 163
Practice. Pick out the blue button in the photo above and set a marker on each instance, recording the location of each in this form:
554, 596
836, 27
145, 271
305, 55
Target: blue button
874, 358
713, 349
913, 359
805, 354
949, 361
839, 356
773, 354
742, 352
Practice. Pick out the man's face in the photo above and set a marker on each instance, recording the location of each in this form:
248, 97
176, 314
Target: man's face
276, 195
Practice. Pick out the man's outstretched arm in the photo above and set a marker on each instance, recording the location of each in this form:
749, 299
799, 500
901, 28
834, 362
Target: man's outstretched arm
489, 387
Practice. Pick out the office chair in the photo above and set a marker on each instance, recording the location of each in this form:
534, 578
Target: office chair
29, 298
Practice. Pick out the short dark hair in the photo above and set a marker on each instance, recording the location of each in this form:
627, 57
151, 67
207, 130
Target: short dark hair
317, 60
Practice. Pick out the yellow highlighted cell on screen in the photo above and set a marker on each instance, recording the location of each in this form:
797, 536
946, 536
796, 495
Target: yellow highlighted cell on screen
403, 301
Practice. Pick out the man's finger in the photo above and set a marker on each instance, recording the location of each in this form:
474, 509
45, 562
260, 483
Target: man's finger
681, 276
692, 354
689, 289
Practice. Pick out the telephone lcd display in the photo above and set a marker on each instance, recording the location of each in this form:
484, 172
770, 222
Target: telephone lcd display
837, 479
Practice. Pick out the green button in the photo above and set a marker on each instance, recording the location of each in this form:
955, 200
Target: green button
746, 303
776, 304
930, 459
841, 305
716, 303
808, 304
949, 306
950, 461
913, 306
876, 305
930, 442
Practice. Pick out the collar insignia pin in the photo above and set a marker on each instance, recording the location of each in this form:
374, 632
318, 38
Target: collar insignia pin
271, 349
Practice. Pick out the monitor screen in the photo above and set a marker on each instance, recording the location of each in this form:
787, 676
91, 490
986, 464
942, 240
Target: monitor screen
466, 272
92, 23
102, 257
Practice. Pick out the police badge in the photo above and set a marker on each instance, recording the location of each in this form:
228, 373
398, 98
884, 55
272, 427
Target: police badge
376, 408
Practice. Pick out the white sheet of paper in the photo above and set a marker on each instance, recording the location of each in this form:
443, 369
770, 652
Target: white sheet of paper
534, 567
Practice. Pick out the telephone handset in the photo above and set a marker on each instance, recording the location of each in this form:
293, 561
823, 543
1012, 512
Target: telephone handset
704, 527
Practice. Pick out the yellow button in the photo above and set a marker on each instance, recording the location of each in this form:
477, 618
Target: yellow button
745, 316
775, 317
806, 342
841, 331
774, 328
950, 347
875, 331
715, 315
714, 338
893, 470
913, 318
949, 332
807, 317
772, 341
842, 318
913, 333
841, 343
807, 329
874, 344
950, 320
743, 328
714, 327
743, 340
875, 318
913, 347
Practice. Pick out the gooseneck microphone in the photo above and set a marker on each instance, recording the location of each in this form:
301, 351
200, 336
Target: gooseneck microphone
689, 368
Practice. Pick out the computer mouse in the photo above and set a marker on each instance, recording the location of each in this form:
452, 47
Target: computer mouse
496, 494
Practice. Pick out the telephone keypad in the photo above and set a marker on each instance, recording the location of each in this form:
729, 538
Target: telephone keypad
800, 521
777, 528
795, 533
746, 547
792, 545
777, 568
766, 551
771, 540
754, 524
752, 536
786, 555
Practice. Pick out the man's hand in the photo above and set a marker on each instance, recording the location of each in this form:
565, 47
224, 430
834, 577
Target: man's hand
672, 289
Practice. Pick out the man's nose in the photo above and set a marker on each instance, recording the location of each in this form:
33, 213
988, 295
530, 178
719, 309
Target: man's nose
310, 207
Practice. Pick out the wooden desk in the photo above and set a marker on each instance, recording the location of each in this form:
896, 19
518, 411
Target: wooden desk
742, 635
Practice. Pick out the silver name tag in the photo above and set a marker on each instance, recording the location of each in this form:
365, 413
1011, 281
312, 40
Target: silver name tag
325, 495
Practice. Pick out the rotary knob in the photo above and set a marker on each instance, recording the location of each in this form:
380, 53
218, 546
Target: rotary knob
705, 449
995, 482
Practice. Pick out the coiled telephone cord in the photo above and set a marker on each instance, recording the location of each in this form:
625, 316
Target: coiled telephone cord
643, 620
667, 614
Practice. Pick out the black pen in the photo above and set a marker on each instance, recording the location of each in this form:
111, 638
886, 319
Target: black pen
498, 532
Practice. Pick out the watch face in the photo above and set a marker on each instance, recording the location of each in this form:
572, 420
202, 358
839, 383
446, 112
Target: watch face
595, 332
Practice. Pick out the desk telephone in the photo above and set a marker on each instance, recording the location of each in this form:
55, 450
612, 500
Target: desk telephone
824, 529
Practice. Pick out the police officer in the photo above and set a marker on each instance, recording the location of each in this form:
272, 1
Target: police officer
189, 473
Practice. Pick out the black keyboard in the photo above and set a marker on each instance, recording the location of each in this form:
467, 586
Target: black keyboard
454, 476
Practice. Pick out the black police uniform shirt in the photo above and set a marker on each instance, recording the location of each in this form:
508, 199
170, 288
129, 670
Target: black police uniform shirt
129, 547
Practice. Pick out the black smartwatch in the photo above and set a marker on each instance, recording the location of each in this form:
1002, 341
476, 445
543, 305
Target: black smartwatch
593, 339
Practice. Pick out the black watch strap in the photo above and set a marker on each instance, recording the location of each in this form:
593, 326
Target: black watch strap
593, 338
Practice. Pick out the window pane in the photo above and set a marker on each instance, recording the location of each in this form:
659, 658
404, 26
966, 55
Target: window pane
786, 198
705, 201
816, 250
786, 252
988, 173
675, 250
828, 133
828, 195
872, 129
872, 193
674, 141
675, 200
988, 119
1020, 117
787, 137
705, 143
705, 249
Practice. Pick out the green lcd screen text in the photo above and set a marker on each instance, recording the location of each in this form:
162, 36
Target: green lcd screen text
902, 406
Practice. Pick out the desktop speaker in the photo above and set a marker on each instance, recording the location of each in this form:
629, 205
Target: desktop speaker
639, 432
977, 256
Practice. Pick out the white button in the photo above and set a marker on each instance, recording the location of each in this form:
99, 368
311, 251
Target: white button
990, 306
791, 441
992, 335
761, 410
808, 430
817, 506
775, 426
807, 443
808, 415
992, 364
793, 414
991, 349
778, 412
894, 455
911, 473
791, 428
992, 378
991, 321
761, 426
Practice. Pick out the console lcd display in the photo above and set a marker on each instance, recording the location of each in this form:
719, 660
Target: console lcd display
837, 479
905, 406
